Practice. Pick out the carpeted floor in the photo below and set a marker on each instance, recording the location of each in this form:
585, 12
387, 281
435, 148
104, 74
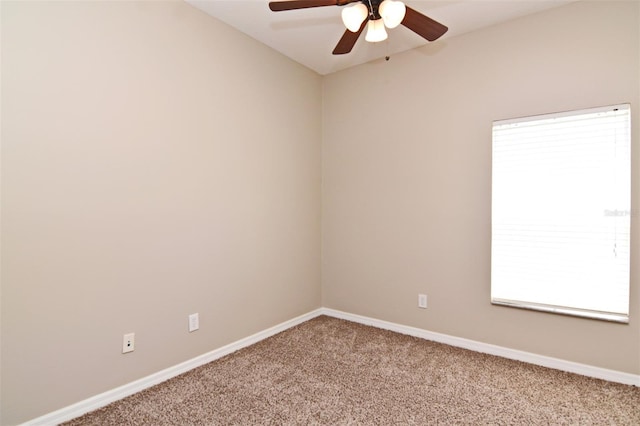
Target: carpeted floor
332, 372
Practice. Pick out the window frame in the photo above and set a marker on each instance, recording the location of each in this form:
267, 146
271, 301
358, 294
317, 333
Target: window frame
617, 317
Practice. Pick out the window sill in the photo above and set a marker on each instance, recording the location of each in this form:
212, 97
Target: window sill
561, 310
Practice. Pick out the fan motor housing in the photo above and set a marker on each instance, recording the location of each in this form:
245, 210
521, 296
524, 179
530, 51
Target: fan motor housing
373, 6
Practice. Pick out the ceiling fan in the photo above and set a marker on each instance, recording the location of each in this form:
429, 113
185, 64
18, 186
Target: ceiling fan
374, 14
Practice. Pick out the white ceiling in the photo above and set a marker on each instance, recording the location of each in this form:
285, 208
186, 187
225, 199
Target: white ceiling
308, 36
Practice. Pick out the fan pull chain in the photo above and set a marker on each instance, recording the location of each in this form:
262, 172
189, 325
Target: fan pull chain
386, 45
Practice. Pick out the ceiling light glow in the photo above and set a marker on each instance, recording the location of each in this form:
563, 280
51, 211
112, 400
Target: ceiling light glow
392, 12
376, 31
353, 16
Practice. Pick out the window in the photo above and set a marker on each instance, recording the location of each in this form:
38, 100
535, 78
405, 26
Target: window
561, 210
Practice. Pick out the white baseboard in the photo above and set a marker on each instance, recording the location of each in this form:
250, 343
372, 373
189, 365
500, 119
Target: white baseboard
531, 358
103, 399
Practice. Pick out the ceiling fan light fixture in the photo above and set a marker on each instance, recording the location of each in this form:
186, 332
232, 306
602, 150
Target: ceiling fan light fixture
362, 12
376, 31
353, 16
392, 12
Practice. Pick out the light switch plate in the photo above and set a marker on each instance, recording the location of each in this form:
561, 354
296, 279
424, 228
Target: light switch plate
422, 301
194, 322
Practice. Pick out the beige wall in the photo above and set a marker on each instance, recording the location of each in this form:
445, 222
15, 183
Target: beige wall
407, 174
155, 163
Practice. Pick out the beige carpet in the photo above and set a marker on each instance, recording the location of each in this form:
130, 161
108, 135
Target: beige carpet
333, 372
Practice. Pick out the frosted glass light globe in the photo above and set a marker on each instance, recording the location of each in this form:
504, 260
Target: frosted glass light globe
376, 31
392, 12
353, 16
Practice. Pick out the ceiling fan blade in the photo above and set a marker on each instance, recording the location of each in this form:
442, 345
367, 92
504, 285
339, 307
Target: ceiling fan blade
348, 40
423, 25
278, 6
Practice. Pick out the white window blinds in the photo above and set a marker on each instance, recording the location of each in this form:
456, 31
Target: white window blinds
561, 212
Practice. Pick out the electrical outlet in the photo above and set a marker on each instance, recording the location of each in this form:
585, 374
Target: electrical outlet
194, 322
422, 301
128, 343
